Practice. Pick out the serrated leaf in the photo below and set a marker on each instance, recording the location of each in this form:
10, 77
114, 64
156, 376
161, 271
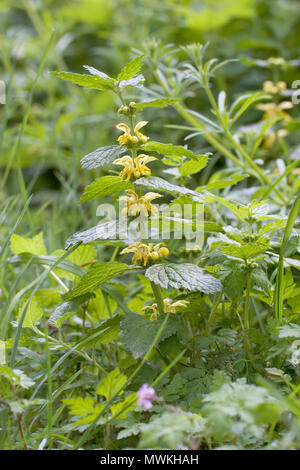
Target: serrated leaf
87, 81
234, 179
192, 166
80, 406
136, 81
121, 409
159, 103
249, 250
157, 183
260, 279
94, 71
169, 149
65, 310
104, 186
99, 232
103, 334
138, 332
33, 245
101, 156
186, 275
97, 276
131, 69
112, 384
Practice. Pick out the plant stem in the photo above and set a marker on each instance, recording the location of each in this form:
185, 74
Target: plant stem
246, 314
213, 312
158, 297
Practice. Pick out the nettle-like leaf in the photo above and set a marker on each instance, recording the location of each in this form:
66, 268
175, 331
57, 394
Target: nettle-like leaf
112, 384
170, 150
104, 186
249, 250
97, 276
137, 332
190, 167
233, 179
65, 310
101, 156
186, 275
33, 245
154, 182
159, 103
105, 333
131, 69
88, 81
102, 231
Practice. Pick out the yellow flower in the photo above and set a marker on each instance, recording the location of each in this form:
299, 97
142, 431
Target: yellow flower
272, 88
136, 167
169, 307
145, 253
142, 138
139, 205
270, 138
127, 138
272, 110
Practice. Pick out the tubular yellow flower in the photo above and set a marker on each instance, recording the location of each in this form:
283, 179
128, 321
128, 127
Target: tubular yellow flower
142, 138
169, 307
123, 139
272, 110
127, 138
136, 167
139, 205
145, 253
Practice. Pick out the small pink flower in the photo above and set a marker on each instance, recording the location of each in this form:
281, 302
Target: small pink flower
146, 395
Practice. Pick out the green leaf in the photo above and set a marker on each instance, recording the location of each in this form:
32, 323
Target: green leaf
121, 409
223, 183
87, 81
170, 150
104, 186
103, 334
83, 255
154, 182
131, 69
99, 232
96, 276
33, 245
112, 384
159, 103
65, 310
80, 406
33, 314
260, 279
138, 332
249, 250
169, 430
289, 331
187, 276
16, 377
101, 156
192, 166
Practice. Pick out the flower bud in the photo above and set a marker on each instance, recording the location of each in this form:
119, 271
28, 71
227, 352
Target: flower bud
163, 251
